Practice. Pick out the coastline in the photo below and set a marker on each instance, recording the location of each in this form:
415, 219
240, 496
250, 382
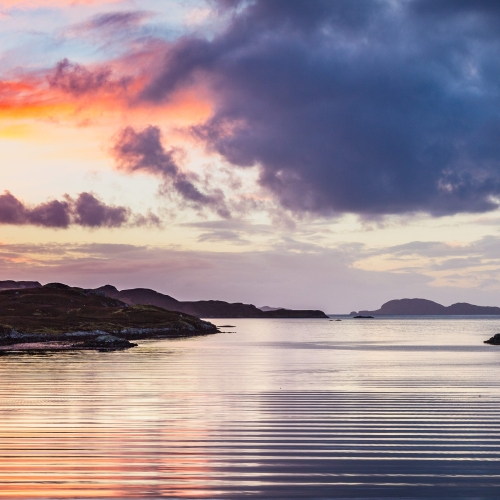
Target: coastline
103, 341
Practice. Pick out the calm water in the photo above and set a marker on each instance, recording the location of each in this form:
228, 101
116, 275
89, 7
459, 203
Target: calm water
385, 408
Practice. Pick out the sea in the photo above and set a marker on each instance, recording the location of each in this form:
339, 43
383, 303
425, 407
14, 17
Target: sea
391, 407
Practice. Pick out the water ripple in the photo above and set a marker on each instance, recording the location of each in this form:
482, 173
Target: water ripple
281, 409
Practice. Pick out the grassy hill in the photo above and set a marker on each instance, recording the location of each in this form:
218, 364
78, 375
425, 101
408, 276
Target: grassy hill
56, 309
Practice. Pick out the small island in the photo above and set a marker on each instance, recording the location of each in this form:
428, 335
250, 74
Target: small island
58, 317
424, 307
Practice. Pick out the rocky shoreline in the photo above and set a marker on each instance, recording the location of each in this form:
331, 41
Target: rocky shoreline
15, 342
98, 340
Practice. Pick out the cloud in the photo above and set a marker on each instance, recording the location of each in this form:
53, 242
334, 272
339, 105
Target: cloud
86, 210
143, 151
117, 20
217, 236
369, 107
78, 80
50, 214
234, 231
474, 265
91, 212
116, 30
486, 247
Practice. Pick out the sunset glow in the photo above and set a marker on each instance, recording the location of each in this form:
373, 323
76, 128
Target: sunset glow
241, 166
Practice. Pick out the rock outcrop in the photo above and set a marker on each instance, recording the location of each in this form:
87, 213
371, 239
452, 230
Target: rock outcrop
108, 342
495, 340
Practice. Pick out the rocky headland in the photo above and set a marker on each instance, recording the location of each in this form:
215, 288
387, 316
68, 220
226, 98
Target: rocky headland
59, 317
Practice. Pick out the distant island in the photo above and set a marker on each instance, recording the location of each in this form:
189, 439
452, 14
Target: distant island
57, 317
421, 307
200, 308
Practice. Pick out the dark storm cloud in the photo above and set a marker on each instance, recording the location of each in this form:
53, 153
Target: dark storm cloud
78, 80
371, 107
143, 151
86, 210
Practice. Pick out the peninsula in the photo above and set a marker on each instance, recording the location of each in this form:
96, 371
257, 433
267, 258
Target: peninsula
421, 307
59, 317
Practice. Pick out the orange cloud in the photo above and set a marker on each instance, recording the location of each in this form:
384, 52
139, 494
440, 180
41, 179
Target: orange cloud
102, 92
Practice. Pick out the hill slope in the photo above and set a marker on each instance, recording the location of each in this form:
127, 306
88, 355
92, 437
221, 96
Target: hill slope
203, 308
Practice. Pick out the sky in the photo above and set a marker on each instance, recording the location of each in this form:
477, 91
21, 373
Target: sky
305, 154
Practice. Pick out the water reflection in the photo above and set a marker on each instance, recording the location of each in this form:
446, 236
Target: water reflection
281, 408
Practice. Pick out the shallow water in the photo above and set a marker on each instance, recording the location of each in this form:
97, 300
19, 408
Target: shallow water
384, 408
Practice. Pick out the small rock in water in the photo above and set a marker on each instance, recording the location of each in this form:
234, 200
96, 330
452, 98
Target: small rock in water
109, 342
495, 340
